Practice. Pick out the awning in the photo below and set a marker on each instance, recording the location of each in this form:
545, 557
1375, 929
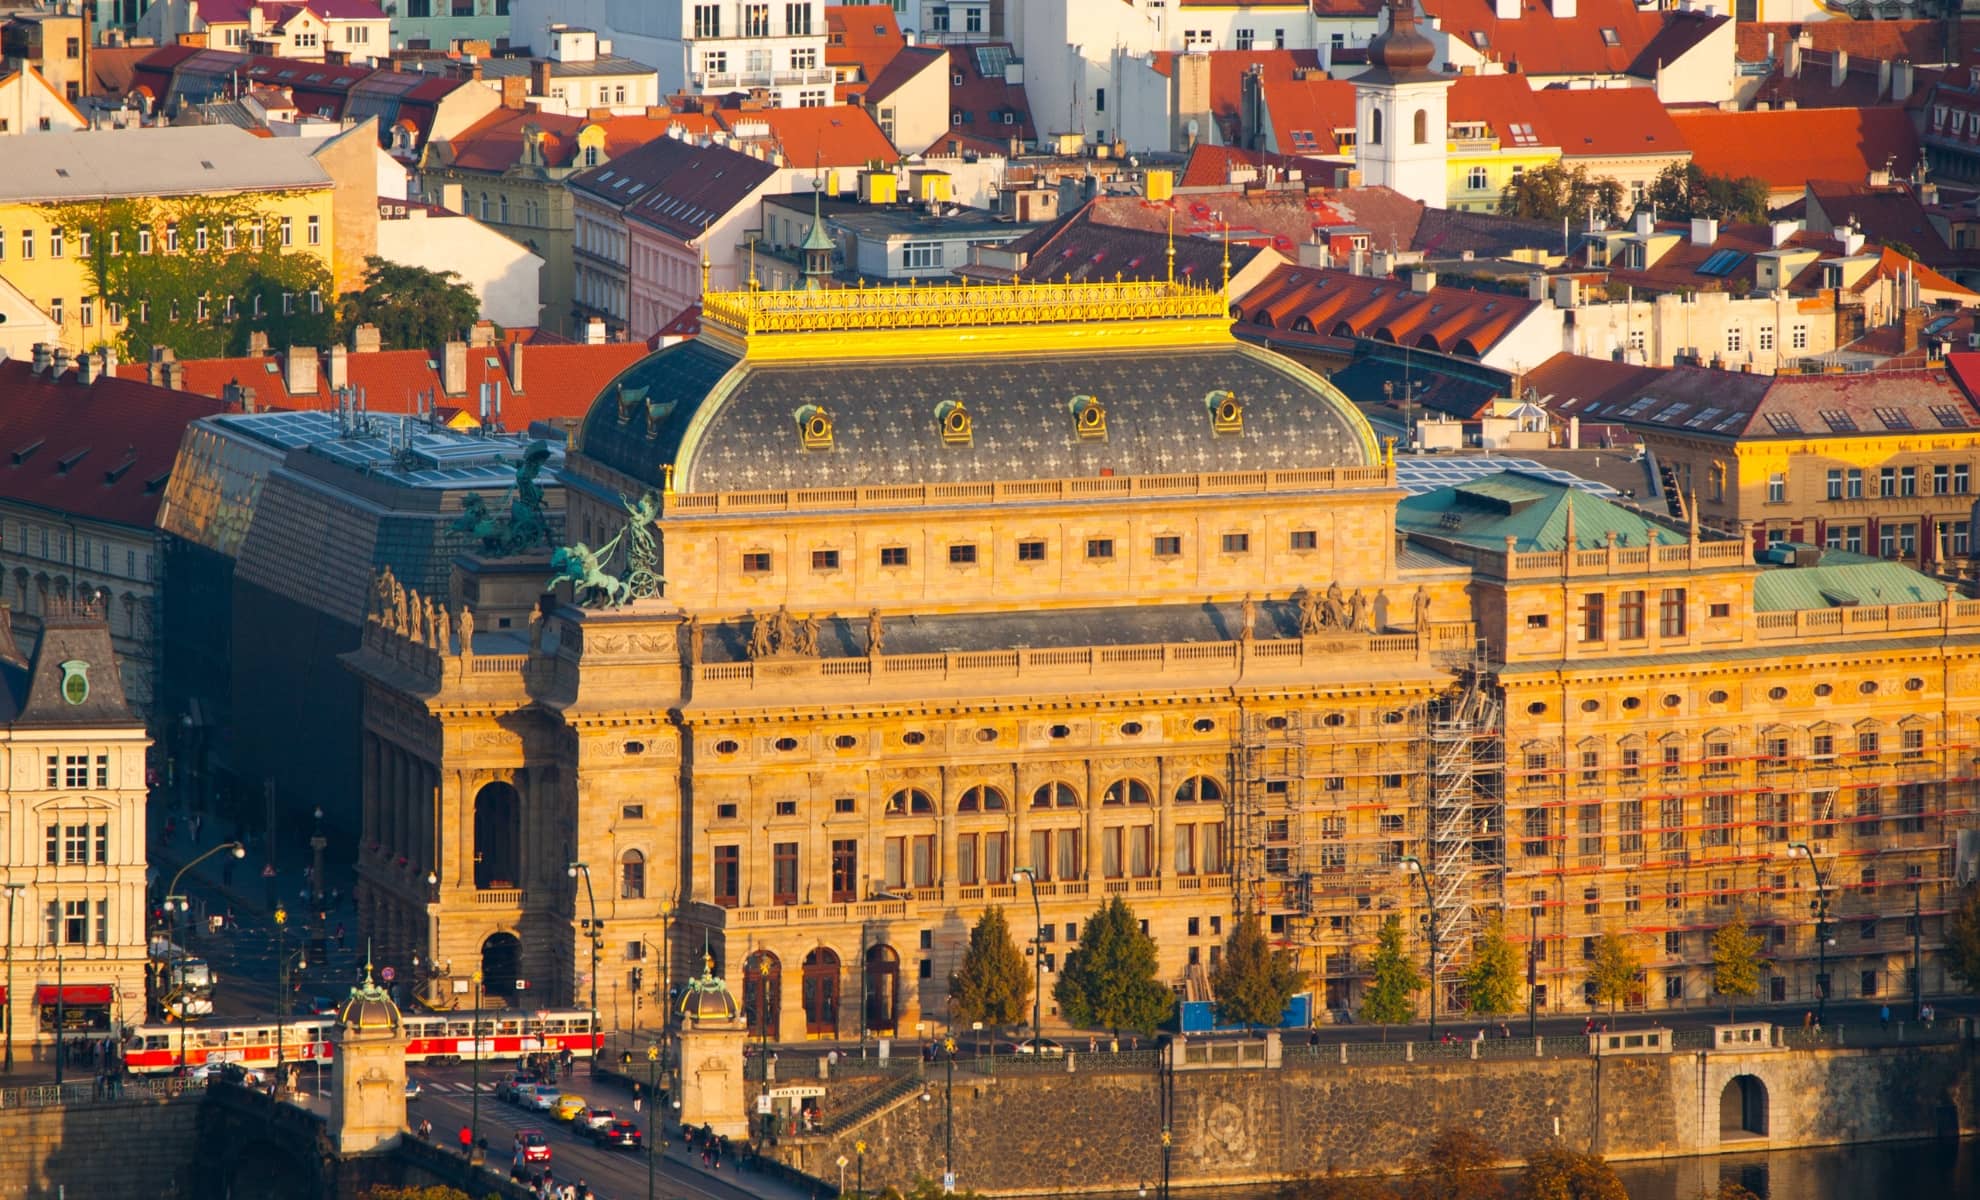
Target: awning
82, 995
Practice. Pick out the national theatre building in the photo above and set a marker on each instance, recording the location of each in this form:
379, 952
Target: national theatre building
882, 597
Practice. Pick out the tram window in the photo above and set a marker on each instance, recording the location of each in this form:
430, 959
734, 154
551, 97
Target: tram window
508, 1025
457, 1028
553, 1026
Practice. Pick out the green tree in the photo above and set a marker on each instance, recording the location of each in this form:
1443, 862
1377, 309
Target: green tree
1682, 191
1253, 982
1109, 980
1492, 981
196, 273
1558, 1173
1456, 1165
1553, 191
994, 982
1735, 962
413, 308
1963, 939
1613, 970
1391, 995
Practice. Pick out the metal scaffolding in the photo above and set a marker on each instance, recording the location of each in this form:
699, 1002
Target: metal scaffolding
1464, 813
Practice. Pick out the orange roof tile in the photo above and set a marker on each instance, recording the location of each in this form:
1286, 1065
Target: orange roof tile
835, 136
1305, 112
1786, 149
1308, 302
1605, 37
1606, 122
864, 37
1930, 41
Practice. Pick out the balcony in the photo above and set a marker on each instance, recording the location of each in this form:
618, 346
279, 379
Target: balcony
725, 81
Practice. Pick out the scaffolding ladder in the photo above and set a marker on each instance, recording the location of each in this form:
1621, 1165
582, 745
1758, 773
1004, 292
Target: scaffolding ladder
1270, 868
1464, 819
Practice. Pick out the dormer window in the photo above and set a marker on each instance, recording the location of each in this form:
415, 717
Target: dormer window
1610, 37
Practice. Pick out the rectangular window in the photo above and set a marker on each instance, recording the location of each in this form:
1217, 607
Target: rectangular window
1591, 829
1629, 826
75, 845
756, 562
845, 870
893, 556
1670, 816
102, 922
75, 922
288, 229
921, 256
1303, 539
1237, 543
1594, 620
55, 310
1033, 550
75, 770
1099, 548
101, 845
1629, 616
962, 554
728, 876
55, 242
1777, 487
797, 19
1835, 484
52, 844
707, 20
824, 560
756, 20
1041, 854
315, 230
1168, 547
1887, 481
966, 859
784, 873
1718, 821
1670, 621
1068, 843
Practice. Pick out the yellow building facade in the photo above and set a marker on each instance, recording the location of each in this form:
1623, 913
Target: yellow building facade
975, 594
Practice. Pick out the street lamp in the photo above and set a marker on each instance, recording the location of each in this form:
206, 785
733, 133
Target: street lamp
653, 1146
474, 1035
574, 870
763, 1035
282, 991
1821, 907
14, 891
1430, 923
949, 1113
176, 902
1037, 954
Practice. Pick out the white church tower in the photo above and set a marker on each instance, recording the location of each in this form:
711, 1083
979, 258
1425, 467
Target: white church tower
1400, 112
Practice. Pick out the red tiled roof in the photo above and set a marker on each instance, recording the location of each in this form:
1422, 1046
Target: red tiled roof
1306, 112
495, 142
113, 69
1501, 101
1330, 305
979, 104
1786, 149
909, 62
1538, 43
1734, 404
1211, 166
1920, 41
1228, 69
1285, 218
126, 433
1571, 384
864, 36
686, 324
836, 136
1084, 249
1607, 122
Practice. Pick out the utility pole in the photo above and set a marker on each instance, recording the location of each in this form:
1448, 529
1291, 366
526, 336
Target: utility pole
1533, 973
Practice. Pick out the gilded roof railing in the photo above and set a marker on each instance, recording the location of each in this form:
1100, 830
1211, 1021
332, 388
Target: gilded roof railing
959, 304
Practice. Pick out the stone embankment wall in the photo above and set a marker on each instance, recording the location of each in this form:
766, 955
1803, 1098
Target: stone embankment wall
1089, 1131
136, 1149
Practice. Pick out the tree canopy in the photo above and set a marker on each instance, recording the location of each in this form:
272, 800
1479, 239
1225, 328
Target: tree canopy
413, 308
1558, 1173
1109, 981
1551, 192
994, 982
1682, 191
1963, 938
1492, 981
1613, 969
1253, 982
1735, 962
1391, 996
1456, 1165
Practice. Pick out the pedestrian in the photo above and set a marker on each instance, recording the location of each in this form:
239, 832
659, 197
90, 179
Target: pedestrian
195, 823
341, 943
638, 1097
171, 827
467, 1142
1807, 1019
1884, 1016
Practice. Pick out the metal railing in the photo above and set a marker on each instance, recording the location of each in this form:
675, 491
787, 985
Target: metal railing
78, 1095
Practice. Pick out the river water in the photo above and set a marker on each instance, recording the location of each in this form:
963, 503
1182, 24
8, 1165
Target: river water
1884, 1171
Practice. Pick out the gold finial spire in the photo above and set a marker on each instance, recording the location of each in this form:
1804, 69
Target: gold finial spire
754, 286
1227, 256
706, 263
1172, 242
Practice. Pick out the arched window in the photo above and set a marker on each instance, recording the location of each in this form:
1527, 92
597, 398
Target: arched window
1125, 791
1055, 795
632, 875
1375, 127
1199, 787
910, 801
1422, 127
981, 798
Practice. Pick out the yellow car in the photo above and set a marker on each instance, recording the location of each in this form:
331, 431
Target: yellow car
568, 1106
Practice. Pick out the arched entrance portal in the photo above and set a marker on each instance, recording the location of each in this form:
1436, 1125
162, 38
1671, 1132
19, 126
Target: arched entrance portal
497, 836
1743, 1108
501, 964
883, 988
821, 993
763, 993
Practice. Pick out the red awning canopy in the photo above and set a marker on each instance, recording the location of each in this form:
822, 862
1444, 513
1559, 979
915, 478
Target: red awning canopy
82, 995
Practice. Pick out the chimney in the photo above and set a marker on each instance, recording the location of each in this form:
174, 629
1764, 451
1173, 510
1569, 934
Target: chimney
175, 375
61, 366
1313, 253
87, 369
453, 369
1506, 10
596, 114
1358, 261
1839, 68
43, 355
1852, 240
1792, 66
1780, 231
109, 363
1704, 231
257, 344
539, 77
1422, 280
1883, 77
514, 91
1646, 223
594, 332
1914, 327
299, 370
247, 400
365, 340
482, 335
1902, 81
340, 367
1564, 10
515, 368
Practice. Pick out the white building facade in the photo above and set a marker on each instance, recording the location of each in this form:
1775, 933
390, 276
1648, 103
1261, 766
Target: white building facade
776, 47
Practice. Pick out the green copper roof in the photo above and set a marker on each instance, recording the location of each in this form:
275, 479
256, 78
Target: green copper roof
1533, 511
1843, 579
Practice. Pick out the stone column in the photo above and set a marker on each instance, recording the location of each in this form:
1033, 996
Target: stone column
945, 842
1091, 873
1165, 817
1020, 824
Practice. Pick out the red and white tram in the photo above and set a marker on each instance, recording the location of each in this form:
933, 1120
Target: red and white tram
431, 1037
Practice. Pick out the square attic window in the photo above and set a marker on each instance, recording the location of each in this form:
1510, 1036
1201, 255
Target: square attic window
1610, 37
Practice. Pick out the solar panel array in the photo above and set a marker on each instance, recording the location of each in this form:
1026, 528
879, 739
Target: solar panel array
1419, 475
397, 447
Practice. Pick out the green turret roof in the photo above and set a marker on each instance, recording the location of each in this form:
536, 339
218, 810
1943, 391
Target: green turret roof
1536, 513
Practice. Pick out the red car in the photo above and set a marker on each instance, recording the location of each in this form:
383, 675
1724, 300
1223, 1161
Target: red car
531, 1147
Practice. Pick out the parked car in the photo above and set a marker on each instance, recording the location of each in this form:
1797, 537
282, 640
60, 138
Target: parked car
623, 1135
509, 1088
567, 1106
532, 1146
591, 1120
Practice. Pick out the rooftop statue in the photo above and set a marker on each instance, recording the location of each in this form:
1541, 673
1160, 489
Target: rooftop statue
525, 527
